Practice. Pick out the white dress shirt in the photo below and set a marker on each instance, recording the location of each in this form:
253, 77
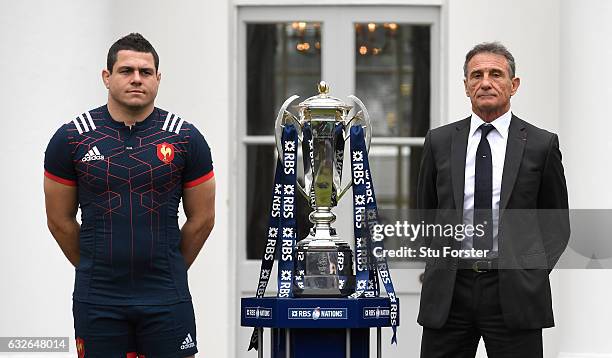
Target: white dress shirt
498, 138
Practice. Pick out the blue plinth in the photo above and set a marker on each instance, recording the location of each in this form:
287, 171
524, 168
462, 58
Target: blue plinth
318, 327
315, 312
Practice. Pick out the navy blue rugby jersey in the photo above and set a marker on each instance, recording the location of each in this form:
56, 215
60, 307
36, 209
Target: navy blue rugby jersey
130, 181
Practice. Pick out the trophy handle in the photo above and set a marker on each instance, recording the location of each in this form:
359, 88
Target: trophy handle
362, 118
283, 117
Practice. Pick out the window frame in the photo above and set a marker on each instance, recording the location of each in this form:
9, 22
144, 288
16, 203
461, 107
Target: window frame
342, 85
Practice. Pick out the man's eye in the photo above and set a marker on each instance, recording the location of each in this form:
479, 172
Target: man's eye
147, 73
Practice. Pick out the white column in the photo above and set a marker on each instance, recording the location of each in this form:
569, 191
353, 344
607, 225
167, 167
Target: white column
586, 90
584, 308
52, 53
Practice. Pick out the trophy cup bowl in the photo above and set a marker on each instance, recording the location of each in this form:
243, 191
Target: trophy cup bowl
323, 262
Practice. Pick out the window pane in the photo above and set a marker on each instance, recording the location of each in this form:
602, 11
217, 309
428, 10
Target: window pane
283, 59
393, 169
260, 177
393, 77
262, 161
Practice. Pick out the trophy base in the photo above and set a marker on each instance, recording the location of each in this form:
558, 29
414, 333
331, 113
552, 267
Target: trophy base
324, 269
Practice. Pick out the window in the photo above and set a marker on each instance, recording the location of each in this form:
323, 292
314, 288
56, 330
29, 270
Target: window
392, 72
282, 59
383, 55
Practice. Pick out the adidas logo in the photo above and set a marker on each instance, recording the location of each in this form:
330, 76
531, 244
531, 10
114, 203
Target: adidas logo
93, 154
188, 342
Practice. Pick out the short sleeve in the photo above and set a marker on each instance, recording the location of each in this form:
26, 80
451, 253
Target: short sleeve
198, 163
59, 166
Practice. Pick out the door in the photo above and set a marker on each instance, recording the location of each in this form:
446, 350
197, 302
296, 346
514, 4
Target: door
389, 57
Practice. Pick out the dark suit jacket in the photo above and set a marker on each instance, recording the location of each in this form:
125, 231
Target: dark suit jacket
530, 241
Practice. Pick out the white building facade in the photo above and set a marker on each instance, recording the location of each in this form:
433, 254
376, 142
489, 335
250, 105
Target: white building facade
53, 54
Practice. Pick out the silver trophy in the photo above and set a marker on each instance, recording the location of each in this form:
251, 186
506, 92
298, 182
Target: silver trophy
323, 262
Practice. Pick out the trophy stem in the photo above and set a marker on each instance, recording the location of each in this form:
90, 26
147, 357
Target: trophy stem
322, 218
324, 262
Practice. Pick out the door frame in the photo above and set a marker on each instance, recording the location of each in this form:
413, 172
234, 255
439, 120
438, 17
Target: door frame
340, 74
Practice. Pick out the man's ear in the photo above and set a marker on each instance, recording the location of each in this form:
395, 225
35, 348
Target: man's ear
516, 82
158, 76
465, 86
105, 78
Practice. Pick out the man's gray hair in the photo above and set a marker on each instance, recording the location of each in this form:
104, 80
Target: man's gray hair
491, 47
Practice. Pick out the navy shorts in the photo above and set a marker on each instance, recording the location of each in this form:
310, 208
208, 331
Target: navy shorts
160, 331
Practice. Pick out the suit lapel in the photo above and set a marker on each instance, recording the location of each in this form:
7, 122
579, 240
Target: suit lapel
458, 152
517, 137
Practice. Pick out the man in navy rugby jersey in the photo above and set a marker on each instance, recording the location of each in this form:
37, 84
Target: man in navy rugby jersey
127, 165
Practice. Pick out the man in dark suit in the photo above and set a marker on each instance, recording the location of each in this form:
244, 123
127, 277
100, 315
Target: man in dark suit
498, 173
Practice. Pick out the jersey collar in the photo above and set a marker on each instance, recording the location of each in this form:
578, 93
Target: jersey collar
146, 123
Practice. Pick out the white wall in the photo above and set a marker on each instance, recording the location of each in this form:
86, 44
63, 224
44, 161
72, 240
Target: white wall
585, 92
52, 55
530, 30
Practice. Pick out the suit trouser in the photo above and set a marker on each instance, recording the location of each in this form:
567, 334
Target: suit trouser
476, 312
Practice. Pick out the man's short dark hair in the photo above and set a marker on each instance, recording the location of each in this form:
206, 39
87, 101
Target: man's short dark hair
491, 47
134, 42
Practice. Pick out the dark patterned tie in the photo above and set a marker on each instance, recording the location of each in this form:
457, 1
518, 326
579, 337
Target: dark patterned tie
483, 191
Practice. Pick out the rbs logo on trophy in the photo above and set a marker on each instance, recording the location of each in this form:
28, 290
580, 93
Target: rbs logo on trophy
165, 152
318, 313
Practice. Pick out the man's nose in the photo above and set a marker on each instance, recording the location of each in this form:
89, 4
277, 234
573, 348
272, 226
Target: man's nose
136, 77
485, 83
